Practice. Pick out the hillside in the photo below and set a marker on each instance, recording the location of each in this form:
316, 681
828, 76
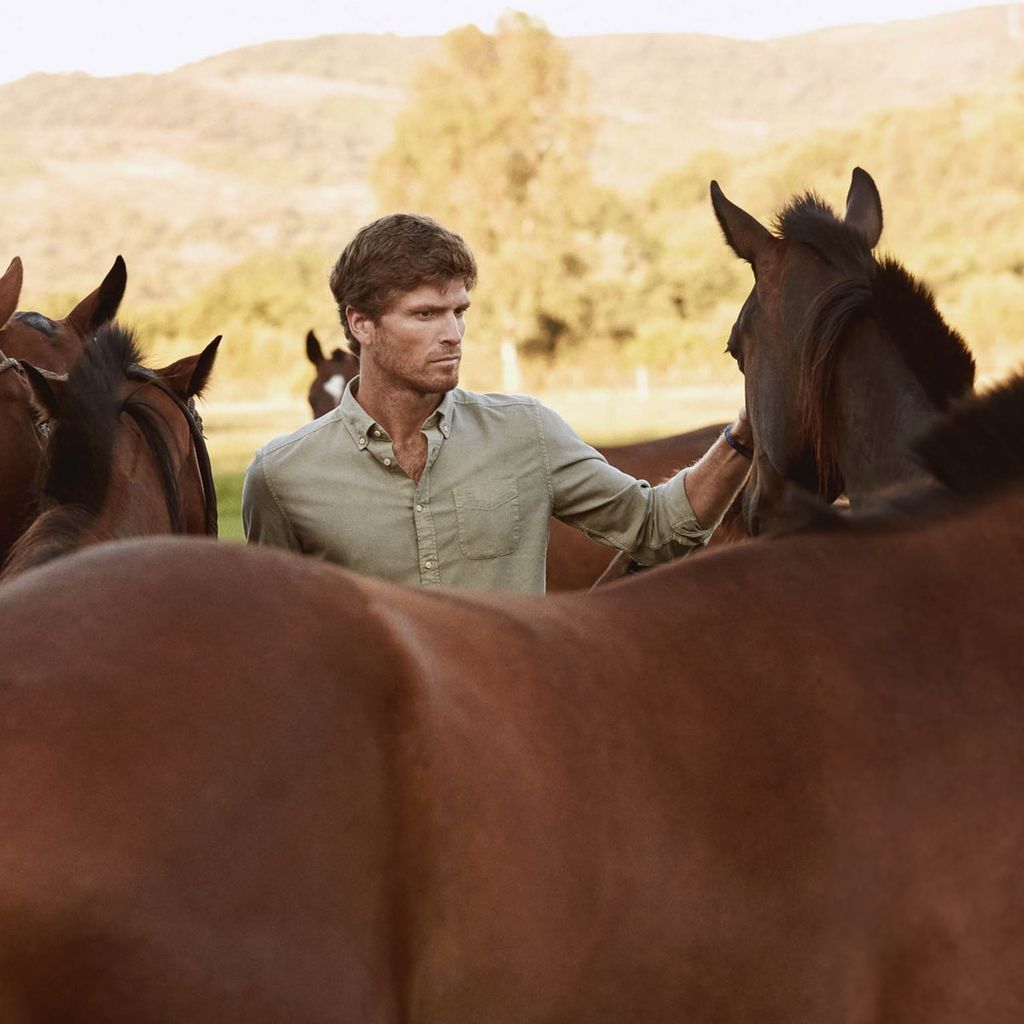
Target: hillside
265, 150
665, 97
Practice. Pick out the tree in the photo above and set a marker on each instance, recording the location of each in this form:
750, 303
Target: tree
495, 144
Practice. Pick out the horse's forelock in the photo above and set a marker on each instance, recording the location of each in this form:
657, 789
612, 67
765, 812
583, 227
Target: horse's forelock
810, 220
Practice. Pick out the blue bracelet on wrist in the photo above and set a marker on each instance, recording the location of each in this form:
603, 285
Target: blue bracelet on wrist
744, 450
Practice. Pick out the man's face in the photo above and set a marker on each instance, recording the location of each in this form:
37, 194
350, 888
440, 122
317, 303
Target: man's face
417, 344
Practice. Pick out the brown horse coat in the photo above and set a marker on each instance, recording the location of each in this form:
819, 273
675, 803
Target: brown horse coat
780, 782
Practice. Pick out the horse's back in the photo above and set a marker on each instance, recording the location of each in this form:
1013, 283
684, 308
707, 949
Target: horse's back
182, 785
270, 790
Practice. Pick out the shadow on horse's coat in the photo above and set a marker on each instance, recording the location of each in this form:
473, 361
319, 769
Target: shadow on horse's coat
56, 344
780, 782
845, 357
125, 455
332, 374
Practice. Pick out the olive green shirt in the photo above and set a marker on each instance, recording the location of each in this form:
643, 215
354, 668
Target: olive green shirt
498, 467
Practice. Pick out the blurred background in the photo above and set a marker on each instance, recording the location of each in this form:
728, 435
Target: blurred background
228, 154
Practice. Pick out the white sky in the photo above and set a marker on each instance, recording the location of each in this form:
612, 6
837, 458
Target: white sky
109, 37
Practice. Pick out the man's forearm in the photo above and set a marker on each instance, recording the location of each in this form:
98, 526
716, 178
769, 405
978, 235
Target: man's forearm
716, 478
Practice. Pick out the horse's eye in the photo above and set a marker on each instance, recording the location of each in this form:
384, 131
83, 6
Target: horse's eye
44, 427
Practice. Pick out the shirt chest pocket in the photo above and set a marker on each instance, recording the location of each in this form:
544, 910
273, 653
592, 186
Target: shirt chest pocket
488, 518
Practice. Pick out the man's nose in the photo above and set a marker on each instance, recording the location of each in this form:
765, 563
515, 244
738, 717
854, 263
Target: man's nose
453, 329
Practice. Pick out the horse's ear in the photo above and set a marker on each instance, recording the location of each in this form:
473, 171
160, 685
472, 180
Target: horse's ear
314, 353
864, 207
100, 306
187, 377
10, 290
47, 388
747, 237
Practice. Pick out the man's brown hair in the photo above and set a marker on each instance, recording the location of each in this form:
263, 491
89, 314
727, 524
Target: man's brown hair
393, 255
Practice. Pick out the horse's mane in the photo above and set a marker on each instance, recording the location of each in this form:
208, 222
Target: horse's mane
883, 289
973, 450
976, 448
77, 465
75, 473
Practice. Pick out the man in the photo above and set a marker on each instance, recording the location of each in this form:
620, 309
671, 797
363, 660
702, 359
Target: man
413, 479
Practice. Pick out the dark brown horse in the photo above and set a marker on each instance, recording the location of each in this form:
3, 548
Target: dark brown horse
778, 783
52, 345
332, 374
55, 344
125, 456
845, 357
22, 437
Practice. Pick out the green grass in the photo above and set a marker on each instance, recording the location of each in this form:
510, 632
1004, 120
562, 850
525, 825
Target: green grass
229, 505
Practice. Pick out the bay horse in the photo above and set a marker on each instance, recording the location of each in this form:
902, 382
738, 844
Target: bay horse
845, 357
333, 372
125, 456
56, 344
780, 782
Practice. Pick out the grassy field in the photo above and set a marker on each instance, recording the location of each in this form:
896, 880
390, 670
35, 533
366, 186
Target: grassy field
234, 431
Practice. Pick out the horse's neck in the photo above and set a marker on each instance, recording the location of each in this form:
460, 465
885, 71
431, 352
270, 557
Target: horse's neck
881, 408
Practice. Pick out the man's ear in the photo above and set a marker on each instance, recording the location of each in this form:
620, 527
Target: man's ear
360, 324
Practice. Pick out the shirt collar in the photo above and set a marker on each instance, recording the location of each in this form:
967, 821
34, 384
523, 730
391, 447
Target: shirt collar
360, 425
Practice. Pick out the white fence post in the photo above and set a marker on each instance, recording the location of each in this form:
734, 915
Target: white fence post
510, 381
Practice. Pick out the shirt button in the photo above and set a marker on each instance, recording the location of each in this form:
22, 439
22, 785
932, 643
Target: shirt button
376, 433
387, 462
362, 442
428, 565
419, 508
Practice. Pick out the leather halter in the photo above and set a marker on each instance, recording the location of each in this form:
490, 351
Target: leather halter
147, 376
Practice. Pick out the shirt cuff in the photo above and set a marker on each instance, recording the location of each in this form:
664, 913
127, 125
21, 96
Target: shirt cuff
684, 521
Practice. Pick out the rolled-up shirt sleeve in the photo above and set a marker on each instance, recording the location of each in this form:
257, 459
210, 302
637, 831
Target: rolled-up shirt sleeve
652, 523
263, 518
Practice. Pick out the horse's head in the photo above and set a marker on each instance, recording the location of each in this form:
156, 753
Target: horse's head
125, 455
24, 426
55, 344
332, 374
167, 399
772, 343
